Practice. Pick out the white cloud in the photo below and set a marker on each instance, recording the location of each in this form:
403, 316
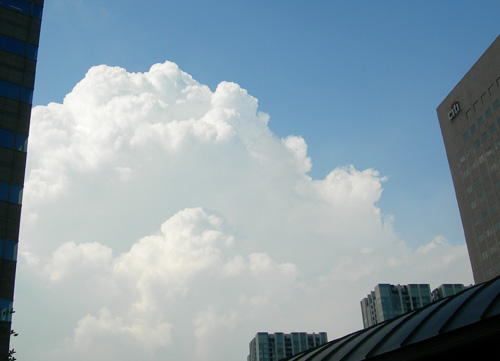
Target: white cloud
163, 218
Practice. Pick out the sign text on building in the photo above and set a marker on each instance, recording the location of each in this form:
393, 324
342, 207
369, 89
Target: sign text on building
455, 109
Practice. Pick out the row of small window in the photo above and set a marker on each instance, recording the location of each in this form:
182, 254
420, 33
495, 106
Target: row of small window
473, 128
491, 271
489, 232
13, 140
481, 159
16, 92
11, 193
23, 7
481, 198
484, 175
18, 47
486, 253
480, 120
484, 216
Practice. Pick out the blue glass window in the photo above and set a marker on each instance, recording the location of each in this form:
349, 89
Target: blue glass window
487, 113
14, 141
477, 143
16, 194
9, 90
36, 12
12, 45
472, 128
7, 139
496, 104
6, 310
27, 95
484, 136
17, 5
18, 47
11, 193
21, 143
16, 92
9, 249
466, 135
23, 7
492, 128
480, 120
32, 51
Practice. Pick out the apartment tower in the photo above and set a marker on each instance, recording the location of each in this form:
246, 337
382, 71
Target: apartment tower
278, 346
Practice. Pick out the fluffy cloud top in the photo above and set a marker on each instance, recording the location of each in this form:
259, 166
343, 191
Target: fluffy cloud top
163, 220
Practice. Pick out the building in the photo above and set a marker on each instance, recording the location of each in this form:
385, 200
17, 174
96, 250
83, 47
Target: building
389, 301
470, 123
464, 326
446, 290
277, 346
20, 22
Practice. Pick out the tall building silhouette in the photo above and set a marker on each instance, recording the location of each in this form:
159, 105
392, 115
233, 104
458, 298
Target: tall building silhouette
470, 123
20, 22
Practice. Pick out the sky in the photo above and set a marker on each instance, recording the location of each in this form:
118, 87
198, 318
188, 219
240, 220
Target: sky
200, 171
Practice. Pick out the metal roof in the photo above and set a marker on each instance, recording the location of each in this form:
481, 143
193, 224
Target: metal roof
472, 315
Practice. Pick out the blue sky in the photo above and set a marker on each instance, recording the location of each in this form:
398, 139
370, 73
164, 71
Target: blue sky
360, 81
182, 215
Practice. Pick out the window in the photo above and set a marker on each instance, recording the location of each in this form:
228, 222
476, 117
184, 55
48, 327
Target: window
8, 249
466, 173
489, 232
472, 128
496, 104
492, 128
473, 205
480, 121
487, 113
469, 188
477, 143
484, 136
466, 134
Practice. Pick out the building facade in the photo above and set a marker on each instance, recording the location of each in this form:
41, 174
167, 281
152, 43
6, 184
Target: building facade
388, 301
446, 290
20, 22
277, 346
470, 123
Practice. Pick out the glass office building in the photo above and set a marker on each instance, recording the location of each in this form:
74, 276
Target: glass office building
278, 346
20, 22
469, 118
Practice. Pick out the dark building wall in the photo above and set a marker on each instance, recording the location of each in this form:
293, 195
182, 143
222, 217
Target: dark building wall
20, 22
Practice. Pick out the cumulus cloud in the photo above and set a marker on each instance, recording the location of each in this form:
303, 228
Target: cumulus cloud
164, 220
